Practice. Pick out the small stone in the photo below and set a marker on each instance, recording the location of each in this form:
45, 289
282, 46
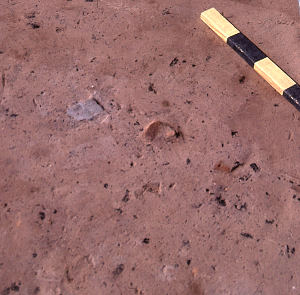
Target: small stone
254, 167
86, 110
118, 270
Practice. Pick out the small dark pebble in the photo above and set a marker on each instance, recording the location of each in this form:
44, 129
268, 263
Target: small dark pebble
35, 25
30, 15
146, 241
269, 221
288, 251
174, 62
166, 11
14, 287
118, 270
236, 165
119, 210
188, 262
221, 201
186, 243
254, 167
178, 133
34, 255
188, 161
126, 197
242, 207
42, 215
151, 88
234, 133
105, 185
242, 79
245, 177
246, 235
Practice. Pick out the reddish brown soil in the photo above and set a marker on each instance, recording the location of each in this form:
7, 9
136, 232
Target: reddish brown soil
156, 196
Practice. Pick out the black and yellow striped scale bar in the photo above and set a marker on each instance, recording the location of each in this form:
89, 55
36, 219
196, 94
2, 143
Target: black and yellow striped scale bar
257, 59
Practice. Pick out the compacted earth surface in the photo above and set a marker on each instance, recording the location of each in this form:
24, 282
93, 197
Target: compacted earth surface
141, 155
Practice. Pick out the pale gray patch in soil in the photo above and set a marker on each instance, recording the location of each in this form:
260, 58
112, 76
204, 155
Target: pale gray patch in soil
86, 110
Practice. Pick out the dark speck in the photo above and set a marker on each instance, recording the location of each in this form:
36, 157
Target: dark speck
234, 133
42, 215
236, 165
188, 262
35, 25
246, 235
119, 210
105, 185
254, 167
221, 201
30, 15
188, 161
151, 88
178, 133
14, 287
126, 196
146, 241
34, 255
166, 11
118, 270
242, 79
174, 62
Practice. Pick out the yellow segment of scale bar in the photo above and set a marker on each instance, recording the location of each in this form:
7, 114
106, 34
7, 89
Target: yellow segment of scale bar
219, 24
275, 76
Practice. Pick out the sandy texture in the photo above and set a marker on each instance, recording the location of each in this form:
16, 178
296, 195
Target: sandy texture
189, 184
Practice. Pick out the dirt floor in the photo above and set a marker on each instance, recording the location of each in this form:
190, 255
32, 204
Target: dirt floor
186, 181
